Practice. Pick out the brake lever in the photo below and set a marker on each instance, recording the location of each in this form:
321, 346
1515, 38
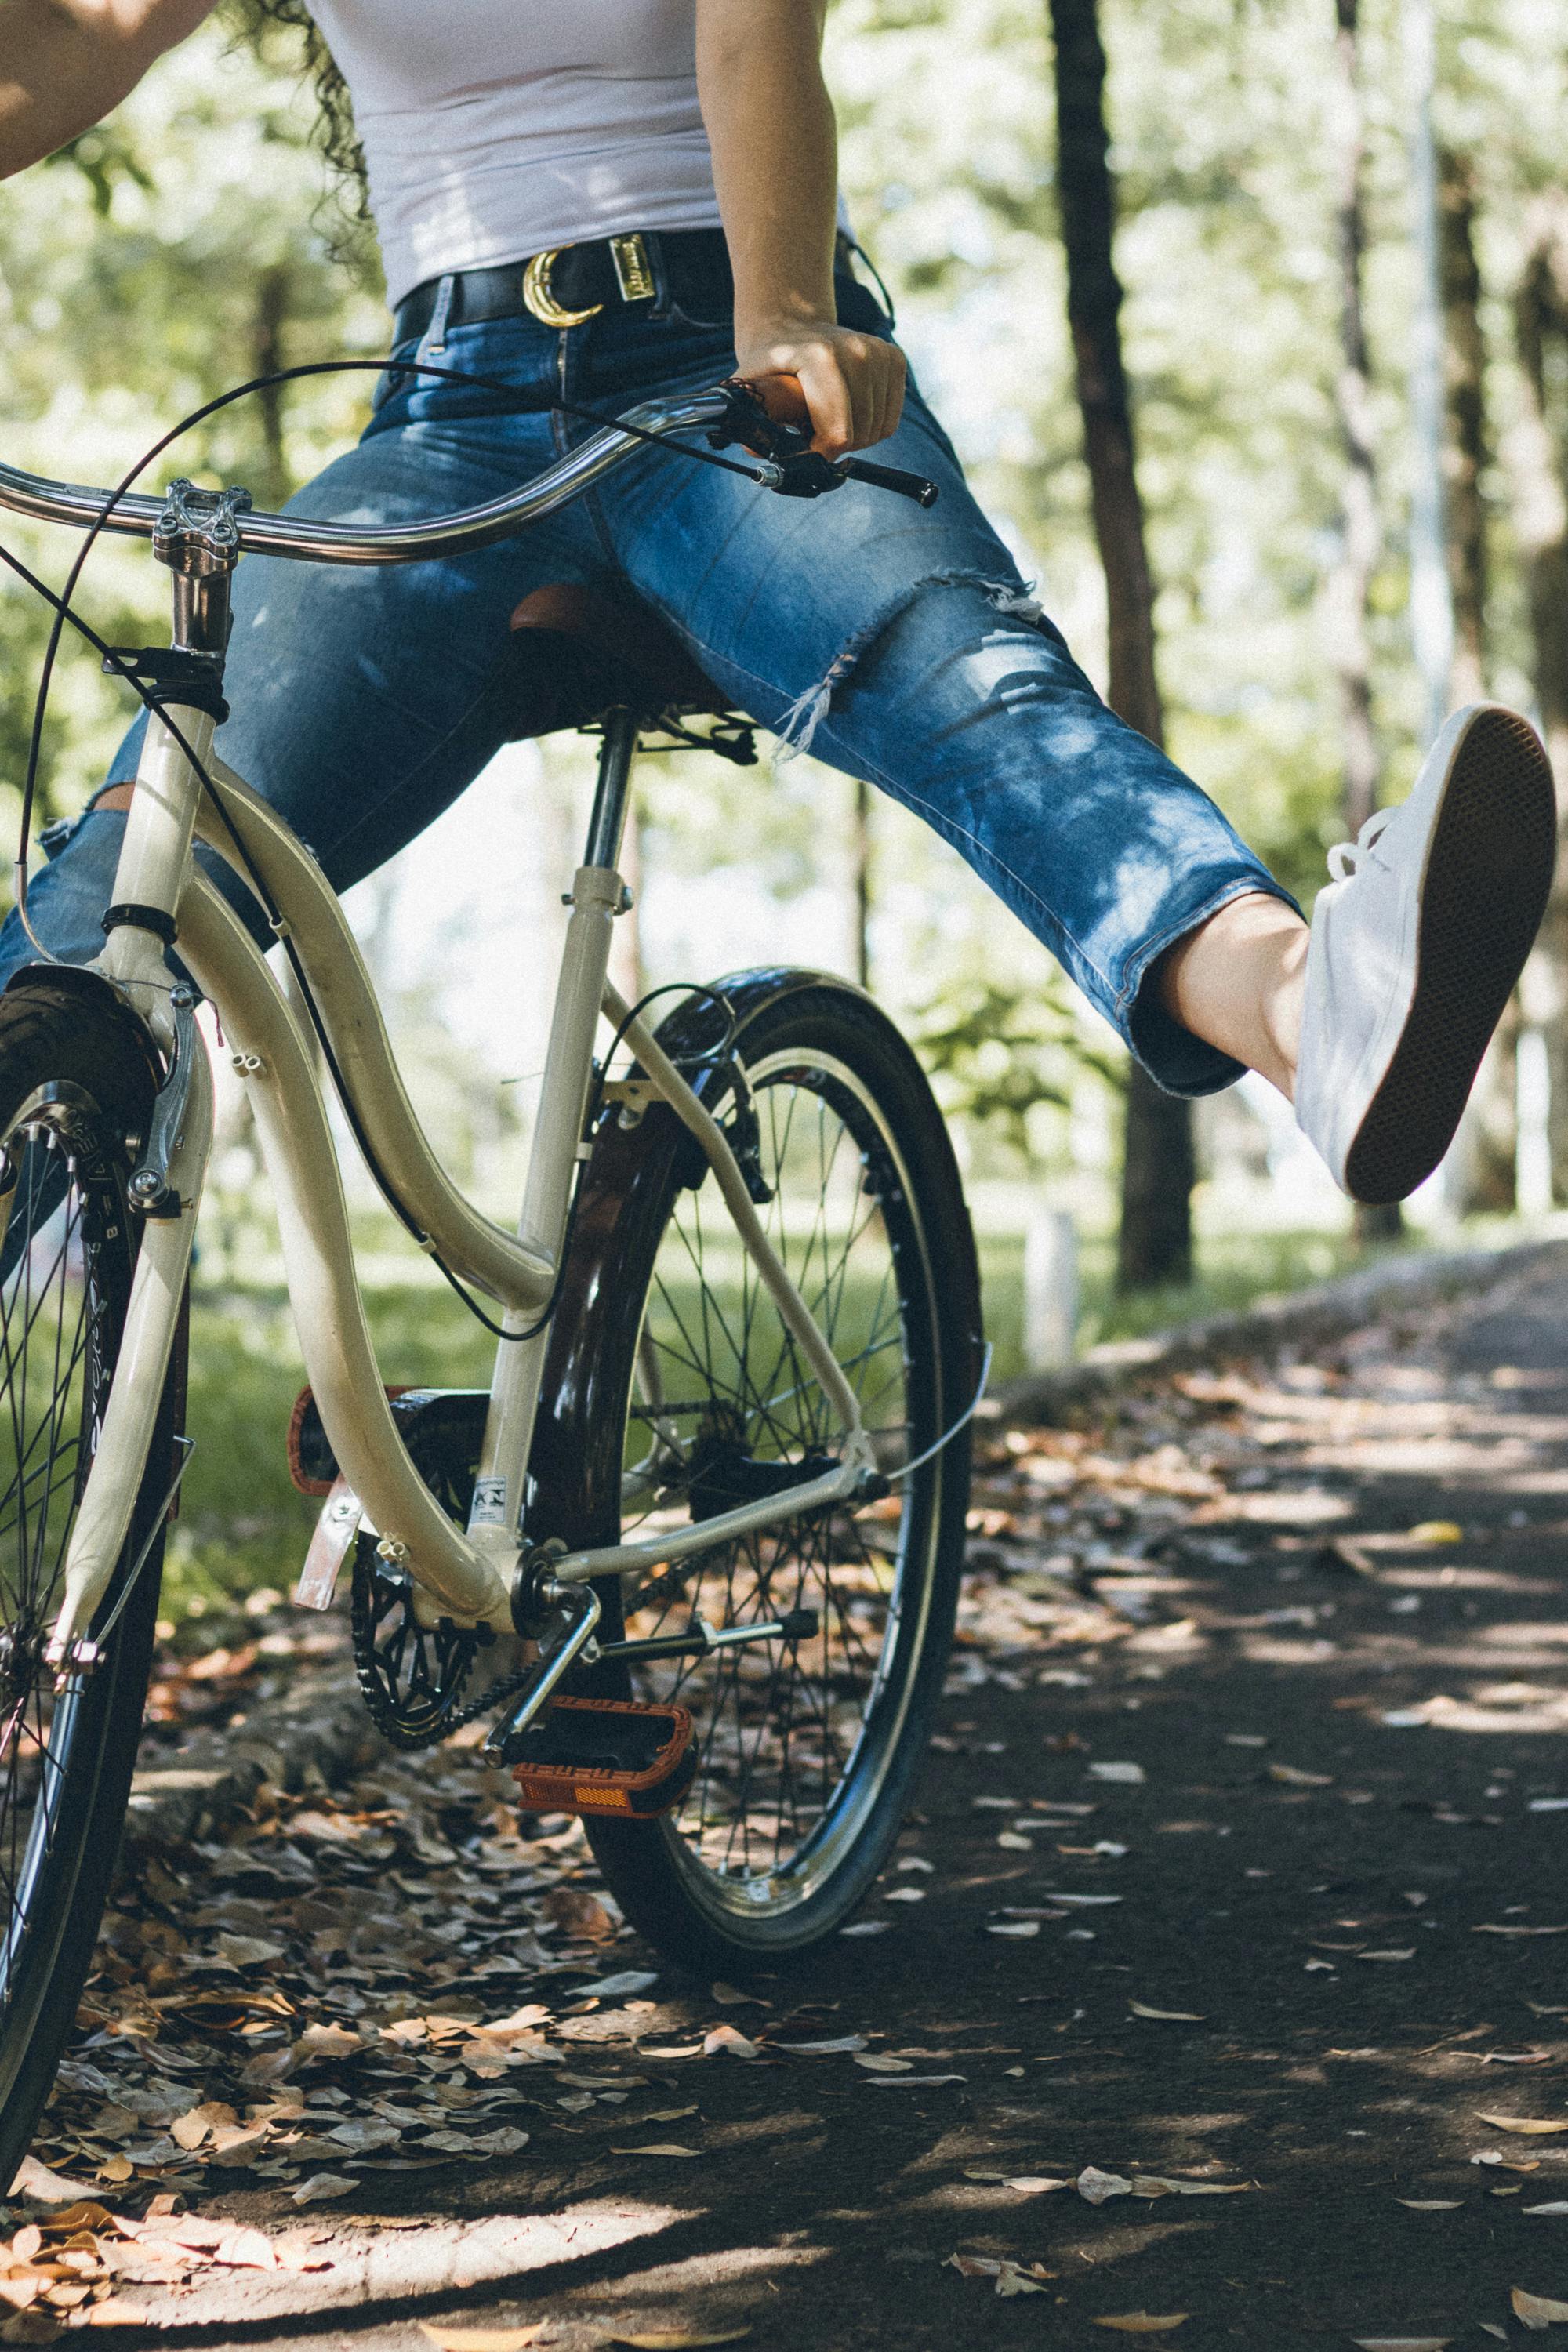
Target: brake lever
806, 472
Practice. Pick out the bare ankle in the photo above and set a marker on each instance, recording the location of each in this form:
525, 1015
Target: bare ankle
1238, 981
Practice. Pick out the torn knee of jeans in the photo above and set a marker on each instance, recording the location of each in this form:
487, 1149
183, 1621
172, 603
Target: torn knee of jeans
796, 727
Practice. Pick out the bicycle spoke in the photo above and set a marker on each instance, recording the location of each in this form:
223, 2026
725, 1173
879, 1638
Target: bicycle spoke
780, 1727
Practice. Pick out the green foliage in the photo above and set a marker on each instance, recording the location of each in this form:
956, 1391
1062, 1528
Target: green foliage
104, 157
995, 1054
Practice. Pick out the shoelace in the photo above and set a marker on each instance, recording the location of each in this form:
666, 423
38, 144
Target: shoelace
1345, 856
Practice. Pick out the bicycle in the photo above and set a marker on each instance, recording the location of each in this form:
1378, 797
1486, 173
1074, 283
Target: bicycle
719, 1482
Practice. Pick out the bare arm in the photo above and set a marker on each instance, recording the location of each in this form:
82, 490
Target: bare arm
771, 128
65, 64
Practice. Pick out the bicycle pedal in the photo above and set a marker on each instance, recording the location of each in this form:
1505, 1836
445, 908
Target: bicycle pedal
605, 1755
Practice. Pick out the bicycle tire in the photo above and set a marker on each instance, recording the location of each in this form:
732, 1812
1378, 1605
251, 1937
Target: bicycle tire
75, 1239
725, 1881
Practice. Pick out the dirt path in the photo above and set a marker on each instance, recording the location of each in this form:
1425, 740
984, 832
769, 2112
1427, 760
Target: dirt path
1236, 1729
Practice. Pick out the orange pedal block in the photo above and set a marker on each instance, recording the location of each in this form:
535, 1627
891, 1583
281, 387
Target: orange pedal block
605, 1755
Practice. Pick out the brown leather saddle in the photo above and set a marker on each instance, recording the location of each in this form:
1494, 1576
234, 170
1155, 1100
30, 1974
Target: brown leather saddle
577, 653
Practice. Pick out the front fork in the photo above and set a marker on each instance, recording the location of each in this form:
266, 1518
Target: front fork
197, 539
166, 1187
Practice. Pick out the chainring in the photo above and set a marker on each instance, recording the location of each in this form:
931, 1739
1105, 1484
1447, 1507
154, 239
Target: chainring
412, 1676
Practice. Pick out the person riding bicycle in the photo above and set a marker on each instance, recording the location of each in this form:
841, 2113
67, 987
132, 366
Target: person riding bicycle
617, 199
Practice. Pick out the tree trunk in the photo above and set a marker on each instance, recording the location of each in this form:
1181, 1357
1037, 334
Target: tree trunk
272, 293
1465, 392
1540, 502
1431, 605
860, 872
1155, 1242
1347, 592
1349, 587
1480, 1178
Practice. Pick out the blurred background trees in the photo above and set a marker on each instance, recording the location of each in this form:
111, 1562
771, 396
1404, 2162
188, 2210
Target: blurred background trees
1275, 278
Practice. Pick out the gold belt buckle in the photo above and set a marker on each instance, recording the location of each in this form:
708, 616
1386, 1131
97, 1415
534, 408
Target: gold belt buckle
541, 302
633, 275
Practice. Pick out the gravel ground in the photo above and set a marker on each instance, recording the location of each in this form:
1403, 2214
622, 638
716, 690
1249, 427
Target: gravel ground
1237, 1865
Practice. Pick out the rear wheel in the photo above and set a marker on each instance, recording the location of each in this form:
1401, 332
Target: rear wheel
76, 1083
681, 1394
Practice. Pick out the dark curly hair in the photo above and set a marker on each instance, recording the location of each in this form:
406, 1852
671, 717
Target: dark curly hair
335, 136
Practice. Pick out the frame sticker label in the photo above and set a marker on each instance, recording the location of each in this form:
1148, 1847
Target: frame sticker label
488, 1508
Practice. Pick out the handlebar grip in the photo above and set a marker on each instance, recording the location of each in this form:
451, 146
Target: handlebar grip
890, 478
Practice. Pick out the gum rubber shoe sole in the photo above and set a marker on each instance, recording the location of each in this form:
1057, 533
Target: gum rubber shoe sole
1489, 874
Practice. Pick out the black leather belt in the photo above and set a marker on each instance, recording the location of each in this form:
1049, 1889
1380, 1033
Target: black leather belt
688, 268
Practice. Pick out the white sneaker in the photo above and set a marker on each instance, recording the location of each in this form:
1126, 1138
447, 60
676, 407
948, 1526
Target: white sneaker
1416, 947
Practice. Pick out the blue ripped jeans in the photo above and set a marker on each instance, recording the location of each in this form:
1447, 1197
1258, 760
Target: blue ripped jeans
900, 645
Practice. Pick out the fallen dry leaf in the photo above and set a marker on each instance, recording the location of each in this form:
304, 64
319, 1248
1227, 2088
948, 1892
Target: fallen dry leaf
484, 2339
1436, 1531
1490, 1927
658, 2148
327, 2041
1010, 2277
1167, 2016
1559, 2205
1159, 2184
1433, 2204
245, 2249
878, 2062
1145, 2323
1402, 2343
321, 2186
1013, 1927
1094, 2186
37, 2182
580, 1914
1526, 2126
1410, 1955
1538, 2310
1295, 1778
730, 2042
682, 2339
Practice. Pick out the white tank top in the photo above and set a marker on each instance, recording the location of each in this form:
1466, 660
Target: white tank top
495, 130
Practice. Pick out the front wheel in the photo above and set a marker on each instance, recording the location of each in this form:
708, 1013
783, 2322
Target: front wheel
678, 1392
77, 1082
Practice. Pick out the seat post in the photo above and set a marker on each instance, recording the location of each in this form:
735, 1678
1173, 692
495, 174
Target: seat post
615, 756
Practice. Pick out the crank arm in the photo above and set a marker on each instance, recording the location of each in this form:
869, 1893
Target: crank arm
798, 1625
582, 1602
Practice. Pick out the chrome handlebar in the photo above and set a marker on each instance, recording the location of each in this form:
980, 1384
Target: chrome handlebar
136, 515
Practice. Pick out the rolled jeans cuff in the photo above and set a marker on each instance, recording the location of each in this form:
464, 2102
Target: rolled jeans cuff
1178, 1063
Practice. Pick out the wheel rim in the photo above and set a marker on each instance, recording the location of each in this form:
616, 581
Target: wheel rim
794, 1740
63, 1210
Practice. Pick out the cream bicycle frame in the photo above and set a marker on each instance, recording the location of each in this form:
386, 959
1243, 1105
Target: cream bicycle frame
469, 1574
